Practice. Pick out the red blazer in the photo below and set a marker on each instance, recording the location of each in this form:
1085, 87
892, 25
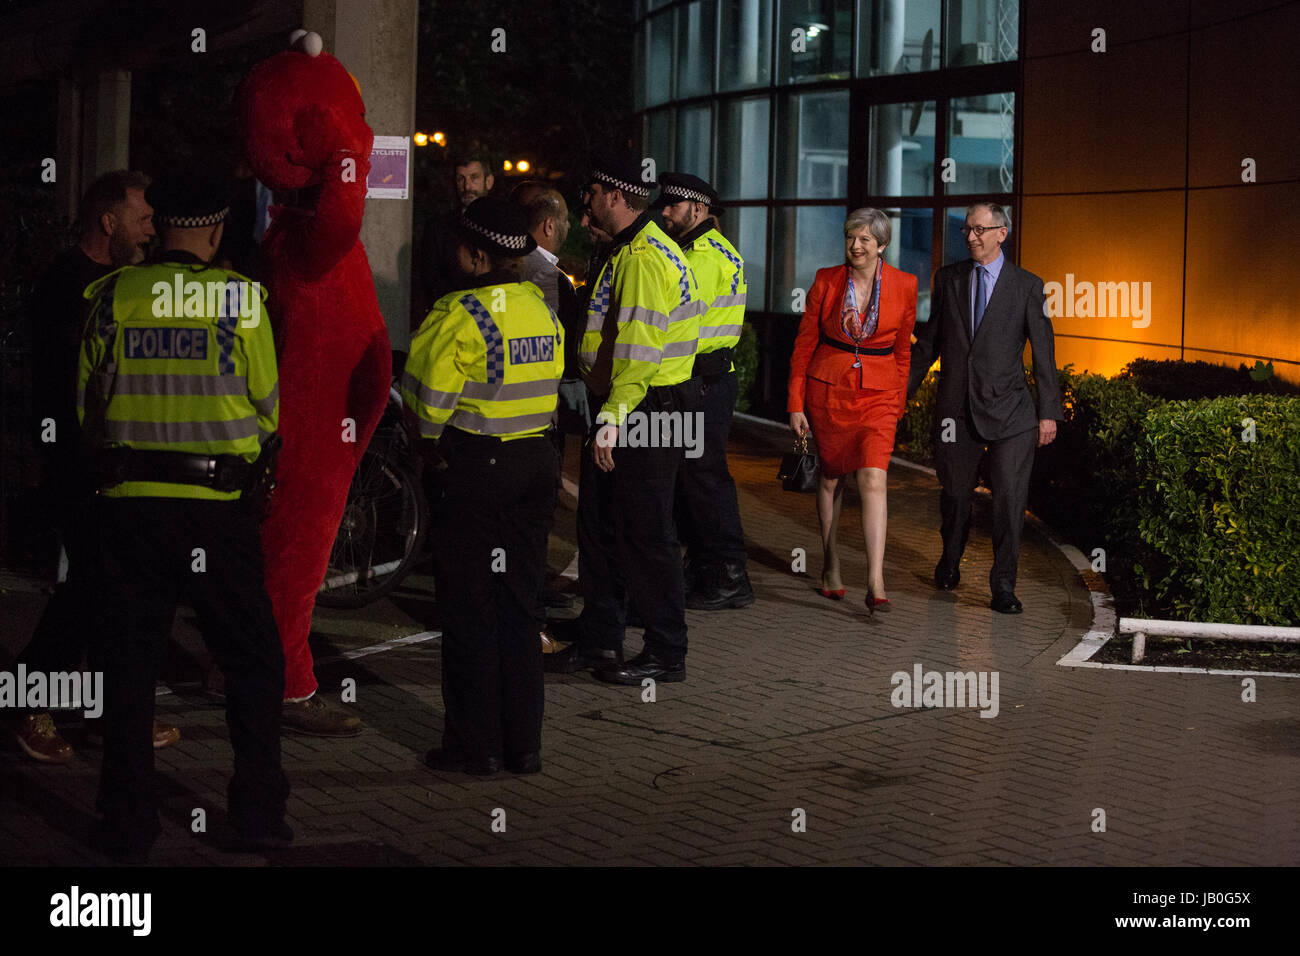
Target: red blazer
830, 365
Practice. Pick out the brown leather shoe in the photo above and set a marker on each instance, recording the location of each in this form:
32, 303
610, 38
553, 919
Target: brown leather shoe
164, 735
550, 645
314, 718
40, 740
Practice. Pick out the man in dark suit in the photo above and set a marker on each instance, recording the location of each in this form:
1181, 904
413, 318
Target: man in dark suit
981, 314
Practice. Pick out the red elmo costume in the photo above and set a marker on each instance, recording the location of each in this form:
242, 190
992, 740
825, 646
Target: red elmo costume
303, 127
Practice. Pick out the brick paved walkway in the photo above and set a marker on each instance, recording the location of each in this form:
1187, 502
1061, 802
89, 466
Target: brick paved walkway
787, 706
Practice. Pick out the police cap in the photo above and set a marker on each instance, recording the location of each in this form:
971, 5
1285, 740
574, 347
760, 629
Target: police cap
683, 187
189, 200
497, 226
621, 171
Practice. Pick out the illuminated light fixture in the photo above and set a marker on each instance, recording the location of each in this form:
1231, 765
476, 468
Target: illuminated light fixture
421, 139
509, 165
440, 139
523, 166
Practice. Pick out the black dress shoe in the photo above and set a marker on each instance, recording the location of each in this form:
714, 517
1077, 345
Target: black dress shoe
946, 574
449, 762
646, 664
720, 588
125, 844
1004, 602
525, 763
576, 658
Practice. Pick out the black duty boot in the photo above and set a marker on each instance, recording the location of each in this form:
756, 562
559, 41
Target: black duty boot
721, 587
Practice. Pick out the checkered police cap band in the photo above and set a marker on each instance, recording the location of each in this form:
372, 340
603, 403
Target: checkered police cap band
506, 242
636, 189
193, 222
681, 193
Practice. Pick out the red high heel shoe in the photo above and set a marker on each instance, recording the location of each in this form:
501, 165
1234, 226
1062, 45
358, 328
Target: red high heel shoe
875, 604
835, 594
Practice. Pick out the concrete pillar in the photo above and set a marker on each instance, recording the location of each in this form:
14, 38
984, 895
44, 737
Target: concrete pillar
106, 125
68, 148
376, 41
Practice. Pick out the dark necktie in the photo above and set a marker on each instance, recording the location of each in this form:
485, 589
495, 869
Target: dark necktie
979, 300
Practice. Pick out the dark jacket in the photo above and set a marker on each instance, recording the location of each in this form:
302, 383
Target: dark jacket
988, 374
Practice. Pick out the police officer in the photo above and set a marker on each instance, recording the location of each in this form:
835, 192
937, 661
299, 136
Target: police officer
177, 395
708, 516
482, 379
636, 357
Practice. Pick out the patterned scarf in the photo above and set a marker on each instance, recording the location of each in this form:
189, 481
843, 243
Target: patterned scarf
851, 320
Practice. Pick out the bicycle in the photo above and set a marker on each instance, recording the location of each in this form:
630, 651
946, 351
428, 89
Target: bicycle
385, 521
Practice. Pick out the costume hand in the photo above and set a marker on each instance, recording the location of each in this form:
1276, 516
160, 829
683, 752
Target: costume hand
602, 447
799, 424
1046, 431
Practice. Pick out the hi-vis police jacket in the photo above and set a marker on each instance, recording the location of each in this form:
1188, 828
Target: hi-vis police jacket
721, 274
643, 320
177, 356
487, 361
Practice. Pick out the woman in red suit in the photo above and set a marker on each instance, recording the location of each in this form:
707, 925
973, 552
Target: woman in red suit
848, 386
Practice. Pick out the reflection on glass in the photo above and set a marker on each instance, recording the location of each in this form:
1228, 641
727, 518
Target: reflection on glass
695, 42
954, 243
804, 239
982, 31
812, 148
746, 44
659, 63
909, 250
902, 149
746, 227
693, 145
822, 47
742, 149
898, 36
981, 138
658, 143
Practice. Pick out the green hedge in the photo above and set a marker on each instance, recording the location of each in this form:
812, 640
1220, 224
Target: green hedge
1219, 510
1194, 522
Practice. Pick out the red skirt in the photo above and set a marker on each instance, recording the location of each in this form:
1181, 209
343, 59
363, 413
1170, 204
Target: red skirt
854, 427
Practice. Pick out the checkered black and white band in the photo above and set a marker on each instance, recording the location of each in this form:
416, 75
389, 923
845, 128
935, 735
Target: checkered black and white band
506, 242
681, 193
193, 222
636, 189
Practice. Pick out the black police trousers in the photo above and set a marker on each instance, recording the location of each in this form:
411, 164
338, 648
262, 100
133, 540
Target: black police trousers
496, 512
152, 553
627, 540
708, 516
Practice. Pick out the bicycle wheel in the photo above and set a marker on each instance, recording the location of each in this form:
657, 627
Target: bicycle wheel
379, 538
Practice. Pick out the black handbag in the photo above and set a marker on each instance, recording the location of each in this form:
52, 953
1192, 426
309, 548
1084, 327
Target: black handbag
798, 471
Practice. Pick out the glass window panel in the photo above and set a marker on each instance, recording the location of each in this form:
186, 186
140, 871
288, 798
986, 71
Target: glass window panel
910, 248
898, 36
746, 227
693, 142
696, 31
812, 148
902, 149
981, 140
982, 31
745, 49
655, 4
742, 148
823, 48
639, 68
954, 243
804, 239
658, 138
659, 62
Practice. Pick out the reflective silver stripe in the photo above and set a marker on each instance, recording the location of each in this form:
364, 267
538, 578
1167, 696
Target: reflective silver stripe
639, 313
639, 353
680, 349
719, 331
429, 396
688, 310
430, 429
724, 301
473, 422
587, 358
265, 406
541, 388
164, 384
176, 432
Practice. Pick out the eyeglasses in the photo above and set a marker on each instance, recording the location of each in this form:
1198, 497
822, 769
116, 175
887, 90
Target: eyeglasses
978, 230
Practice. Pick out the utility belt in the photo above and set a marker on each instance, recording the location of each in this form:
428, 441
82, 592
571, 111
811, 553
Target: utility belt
224, 473
854, 349
453, 437
709, 365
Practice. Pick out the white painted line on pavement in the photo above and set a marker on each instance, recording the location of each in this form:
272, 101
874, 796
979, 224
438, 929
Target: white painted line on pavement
382, 647
571, 572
